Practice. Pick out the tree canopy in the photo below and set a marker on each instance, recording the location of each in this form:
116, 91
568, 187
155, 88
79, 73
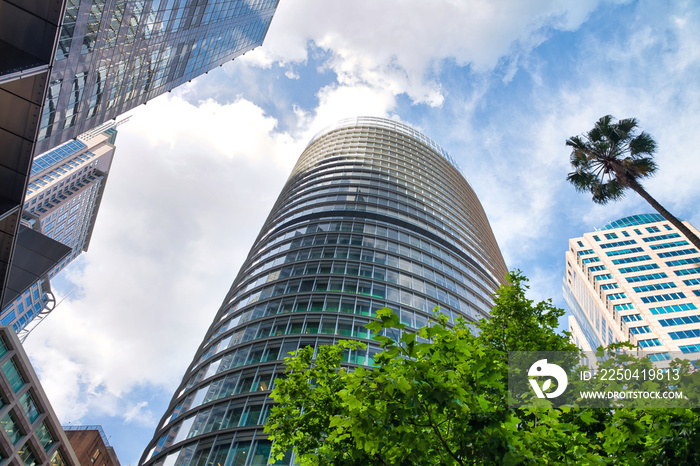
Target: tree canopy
439, 396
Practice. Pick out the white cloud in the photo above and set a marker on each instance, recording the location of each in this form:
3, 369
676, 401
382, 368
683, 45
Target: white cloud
399, 44
189, 188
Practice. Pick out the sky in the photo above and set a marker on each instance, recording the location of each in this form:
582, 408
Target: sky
499, 84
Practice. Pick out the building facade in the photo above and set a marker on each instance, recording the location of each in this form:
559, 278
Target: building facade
114, 55
28, 34
374, 214
29, 429
637, 279
63, 198
68, 66
91, 445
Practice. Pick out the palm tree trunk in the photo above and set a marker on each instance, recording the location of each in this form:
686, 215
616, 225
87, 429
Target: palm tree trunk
632, 183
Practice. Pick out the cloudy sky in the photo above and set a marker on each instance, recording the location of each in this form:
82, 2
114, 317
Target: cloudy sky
500, 84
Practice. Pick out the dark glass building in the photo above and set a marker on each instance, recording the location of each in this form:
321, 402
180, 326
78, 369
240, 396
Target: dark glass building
113, 55
374, 214
67, 66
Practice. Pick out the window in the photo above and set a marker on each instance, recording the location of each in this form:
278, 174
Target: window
659, 357
649, 343
57, 459
690, 349
27, 403
681, 252
639, 268
639, 330
623, 251
628, 260
26, 455
674, 308
692, 260
653, 229
687, 271
680, 320
11, 426
641, 278
44, 436
610, 236
661, 237
13, 375
669, 245
617, 244
631, 318
694, 333
656, 286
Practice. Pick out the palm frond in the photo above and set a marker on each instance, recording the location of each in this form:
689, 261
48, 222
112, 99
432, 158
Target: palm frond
610, 158
581, 180
606, 192
642, 145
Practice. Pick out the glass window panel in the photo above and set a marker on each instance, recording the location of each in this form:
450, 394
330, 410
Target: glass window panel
262, 453
9, 423
238, 454
13, 375
29, 406
233, 415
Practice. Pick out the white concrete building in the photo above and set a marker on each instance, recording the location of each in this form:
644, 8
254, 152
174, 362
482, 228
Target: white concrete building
636, 279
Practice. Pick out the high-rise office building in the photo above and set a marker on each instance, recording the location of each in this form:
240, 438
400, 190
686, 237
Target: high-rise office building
28, 34
374, 214
67, 66
62, 202
636, 279
113, 55
29, 429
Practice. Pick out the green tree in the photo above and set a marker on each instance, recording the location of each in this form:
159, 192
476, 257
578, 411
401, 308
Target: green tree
439, 397
612, 157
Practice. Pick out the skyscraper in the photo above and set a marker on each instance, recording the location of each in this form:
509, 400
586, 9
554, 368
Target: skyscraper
636, 279
113, 55
374, 214
67, 66
29, 429
62, 202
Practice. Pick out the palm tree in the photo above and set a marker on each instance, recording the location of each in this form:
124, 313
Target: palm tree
611, 158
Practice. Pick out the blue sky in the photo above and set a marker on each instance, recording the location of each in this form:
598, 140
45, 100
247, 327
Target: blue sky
499, 84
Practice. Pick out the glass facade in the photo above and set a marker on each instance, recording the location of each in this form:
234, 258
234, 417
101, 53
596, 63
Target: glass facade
62, 202
633, 287
374, 214
31, 431
113, 55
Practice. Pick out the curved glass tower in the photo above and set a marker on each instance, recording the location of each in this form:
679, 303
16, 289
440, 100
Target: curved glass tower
374, 214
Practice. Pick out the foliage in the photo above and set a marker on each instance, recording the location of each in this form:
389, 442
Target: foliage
611, 158
439, 396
